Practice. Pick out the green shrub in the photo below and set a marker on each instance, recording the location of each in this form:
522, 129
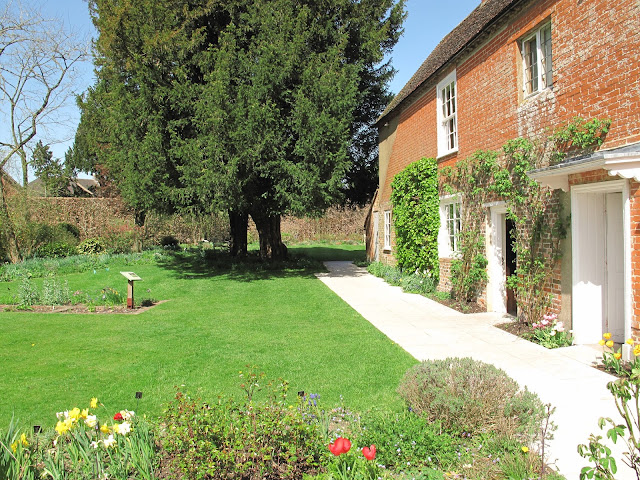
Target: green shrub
169, 242
91, 246
471, 397
227, 439
69, 229
55, 250
410, 282
28, 294
122, 238
416, 214
55, 292
407, 441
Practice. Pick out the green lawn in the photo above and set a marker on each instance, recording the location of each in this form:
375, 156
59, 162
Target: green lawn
217, 319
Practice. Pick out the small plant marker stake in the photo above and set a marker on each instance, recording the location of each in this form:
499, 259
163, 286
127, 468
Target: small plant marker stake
138, 397
131, 277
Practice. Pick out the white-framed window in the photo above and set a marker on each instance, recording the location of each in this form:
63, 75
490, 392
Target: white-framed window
537, 60
450, 223
387, 230
448, 115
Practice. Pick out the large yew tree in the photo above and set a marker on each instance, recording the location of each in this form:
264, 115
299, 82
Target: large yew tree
247, 106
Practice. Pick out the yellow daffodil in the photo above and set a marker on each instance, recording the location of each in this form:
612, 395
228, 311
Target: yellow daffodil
609, 343
94, 403
636, 350
606, 336
85, 413
601, 342
629, 341
617, 355
62, 427
104, 428
75, 414
525, 449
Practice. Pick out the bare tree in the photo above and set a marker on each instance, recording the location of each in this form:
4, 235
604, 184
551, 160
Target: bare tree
38, 57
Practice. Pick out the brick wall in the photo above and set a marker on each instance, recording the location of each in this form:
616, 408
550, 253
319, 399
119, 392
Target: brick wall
596, 74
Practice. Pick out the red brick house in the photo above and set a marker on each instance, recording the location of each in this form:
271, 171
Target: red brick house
521, 68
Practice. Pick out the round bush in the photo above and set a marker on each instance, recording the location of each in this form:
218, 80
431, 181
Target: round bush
170, 242
55, 250
91, 246
471, 396
69, 229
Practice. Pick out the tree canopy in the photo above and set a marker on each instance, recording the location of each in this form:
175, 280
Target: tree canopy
246, 106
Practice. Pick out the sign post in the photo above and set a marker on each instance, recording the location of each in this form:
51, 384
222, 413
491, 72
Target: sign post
131, 277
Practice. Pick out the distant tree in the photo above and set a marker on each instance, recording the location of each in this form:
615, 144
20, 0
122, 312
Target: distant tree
37, 59
244, 106
51, 171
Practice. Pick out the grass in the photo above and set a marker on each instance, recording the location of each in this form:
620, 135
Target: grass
219, 318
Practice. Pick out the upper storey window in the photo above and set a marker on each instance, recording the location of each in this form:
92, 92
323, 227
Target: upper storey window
447, 115
537, 60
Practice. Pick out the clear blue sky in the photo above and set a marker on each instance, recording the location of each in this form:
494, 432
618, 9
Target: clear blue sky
428, 21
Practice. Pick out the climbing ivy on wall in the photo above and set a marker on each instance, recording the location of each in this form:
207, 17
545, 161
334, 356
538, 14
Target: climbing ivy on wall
536, 211
416, 216
472, 177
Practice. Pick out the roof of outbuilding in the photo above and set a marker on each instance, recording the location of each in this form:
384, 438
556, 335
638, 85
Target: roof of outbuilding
483, 16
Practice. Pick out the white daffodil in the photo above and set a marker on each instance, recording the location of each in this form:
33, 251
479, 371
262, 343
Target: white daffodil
91, 421
109, 442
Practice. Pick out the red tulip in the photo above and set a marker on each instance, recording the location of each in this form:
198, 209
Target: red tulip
117, 416
369, 452
340, 446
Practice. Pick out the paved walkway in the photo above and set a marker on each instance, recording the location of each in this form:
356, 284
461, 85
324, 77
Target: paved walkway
428, 330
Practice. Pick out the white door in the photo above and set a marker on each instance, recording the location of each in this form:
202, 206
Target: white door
614, 312
598, 266
496, 245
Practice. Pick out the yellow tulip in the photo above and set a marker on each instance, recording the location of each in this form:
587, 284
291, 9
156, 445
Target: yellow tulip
601, 342
609, 343
629, 341
617, 355
606, 336
14, 446
94, 403
636, 350
23, 440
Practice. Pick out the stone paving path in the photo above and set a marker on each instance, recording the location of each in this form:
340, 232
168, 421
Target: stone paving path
428, 330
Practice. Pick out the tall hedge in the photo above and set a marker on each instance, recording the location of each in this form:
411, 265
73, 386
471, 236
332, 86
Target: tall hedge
416, 217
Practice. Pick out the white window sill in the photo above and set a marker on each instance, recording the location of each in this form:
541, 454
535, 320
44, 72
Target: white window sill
446, 154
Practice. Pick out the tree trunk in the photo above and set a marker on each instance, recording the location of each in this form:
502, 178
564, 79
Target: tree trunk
140, 217
7, 230
238, 224
271, 246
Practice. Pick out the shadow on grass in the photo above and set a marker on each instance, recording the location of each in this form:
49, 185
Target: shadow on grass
198, 264
303, 261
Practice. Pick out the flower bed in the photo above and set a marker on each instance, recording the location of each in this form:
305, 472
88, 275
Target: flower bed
269, 435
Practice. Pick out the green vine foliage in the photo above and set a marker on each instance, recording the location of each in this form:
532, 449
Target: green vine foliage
539, 221
539, 228
470, 178
578, 136
417, 217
